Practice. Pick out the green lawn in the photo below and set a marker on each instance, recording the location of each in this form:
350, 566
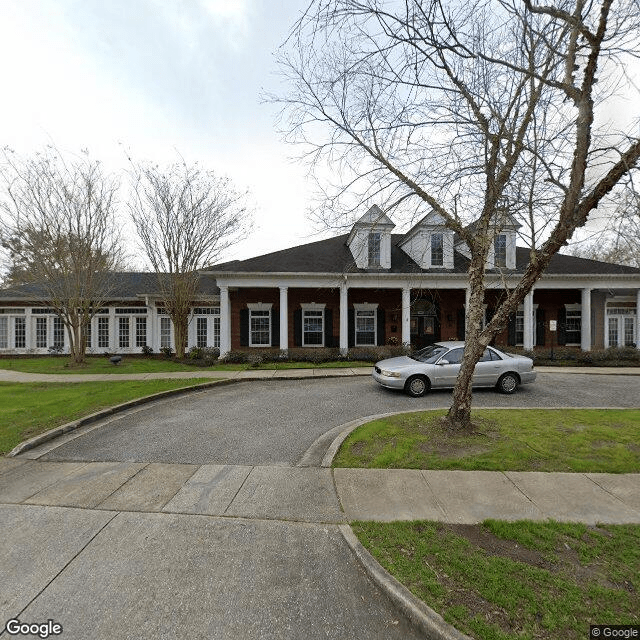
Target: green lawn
515, 580
515, 440
137, 364
27, 409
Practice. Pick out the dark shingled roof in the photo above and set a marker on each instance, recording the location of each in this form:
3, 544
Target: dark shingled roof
125, 285
333, 256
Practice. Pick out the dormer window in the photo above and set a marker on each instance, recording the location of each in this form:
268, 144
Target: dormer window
374, 249
437, 250
500, 250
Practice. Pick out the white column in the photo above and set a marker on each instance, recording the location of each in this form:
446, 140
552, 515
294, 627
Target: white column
344, 319
284, 319
638, 319
225, 321
527, 338
30, 342
585, 328
406, 316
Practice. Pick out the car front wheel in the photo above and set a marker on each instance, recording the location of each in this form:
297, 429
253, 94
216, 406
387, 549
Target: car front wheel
417, 386
508, 383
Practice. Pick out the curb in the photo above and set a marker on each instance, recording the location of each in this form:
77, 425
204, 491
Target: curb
103, 413
419, 614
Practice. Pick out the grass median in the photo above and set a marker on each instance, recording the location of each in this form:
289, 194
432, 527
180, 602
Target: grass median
138, 364
573, 440
515, 580
27, 409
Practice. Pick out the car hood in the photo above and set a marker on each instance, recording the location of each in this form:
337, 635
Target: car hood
396, 363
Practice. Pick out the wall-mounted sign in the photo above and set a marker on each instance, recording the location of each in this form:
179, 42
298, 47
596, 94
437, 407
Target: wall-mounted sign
553, 325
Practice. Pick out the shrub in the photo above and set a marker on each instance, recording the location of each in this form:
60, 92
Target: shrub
195, 353
236, 357
147, 350
166, 352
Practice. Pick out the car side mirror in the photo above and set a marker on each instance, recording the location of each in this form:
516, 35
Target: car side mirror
443, 362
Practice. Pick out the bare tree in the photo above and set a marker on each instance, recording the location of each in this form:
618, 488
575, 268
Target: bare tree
186, 218
475, 110
59, 230
619, 241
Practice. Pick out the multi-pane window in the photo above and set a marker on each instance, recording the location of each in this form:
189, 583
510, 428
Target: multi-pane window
165, 332
365, 327
520, 326
103, 333
41, 333
628, 332
4, 333
216, 331
437, 250
313, 328
201, 332
87, 335
259, 328
123, 333
613, 332
58, 333
141, 332
573, 326
374, 249
20, 335
500, 250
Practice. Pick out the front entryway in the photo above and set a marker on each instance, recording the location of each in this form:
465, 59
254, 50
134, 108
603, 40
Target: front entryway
425, 323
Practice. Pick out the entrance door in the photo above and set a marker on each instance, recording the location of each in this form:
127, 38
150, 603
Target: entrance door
621, 330
425, 323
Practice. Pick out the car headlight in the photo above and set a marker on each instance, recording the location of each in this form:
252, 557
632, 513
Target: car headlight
390, 374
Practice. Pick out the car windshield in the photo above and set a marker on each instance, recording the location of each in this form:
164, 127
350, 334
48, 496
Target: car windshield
429, 354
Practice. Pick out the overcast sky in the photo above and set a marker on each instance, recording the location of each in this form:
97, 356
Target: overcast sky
153, 78
157, 77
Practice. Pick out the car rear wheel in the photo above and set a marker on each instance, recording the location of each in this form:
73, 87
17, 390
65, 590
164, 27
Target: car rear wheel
508, 383
417, 386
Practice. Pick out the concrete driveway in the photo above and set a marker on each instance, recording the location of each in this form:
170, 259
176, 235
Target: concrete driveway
274, 422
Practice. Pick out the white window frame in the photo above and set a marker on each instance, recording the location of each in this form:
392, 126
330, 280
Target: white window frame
431, 239
495, 252
365, 308
312, 307
617, 311
166, 332
573, 309
261, 310
374, 259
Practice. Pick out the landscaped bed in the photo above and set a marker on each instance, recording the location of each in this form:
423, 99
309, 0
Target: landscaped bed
579, 440
516, 580
27, 409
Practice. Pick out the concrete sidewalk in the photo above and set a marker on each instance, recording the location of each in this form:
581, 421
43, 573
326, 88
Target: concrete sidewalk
311, 494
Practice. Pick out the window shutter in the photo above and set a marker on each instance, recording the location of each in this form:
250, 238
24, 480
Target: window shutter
328, 328
540, 328
381, 328
511, 337
352, 328
461, 325
244, 327
275, 328
562, 326
297, 328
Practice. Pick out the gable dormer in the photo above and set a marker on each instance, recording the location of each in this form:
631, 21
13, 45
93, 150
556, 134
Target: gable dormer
429, 243
502, 252
370, 240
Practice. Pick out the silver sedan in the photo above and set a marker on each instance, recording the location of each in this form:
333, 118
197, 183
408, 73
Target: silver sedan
438, 365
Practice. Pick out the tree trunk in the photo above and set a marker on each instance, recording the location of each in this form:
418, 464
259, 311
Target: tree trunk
180, 327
